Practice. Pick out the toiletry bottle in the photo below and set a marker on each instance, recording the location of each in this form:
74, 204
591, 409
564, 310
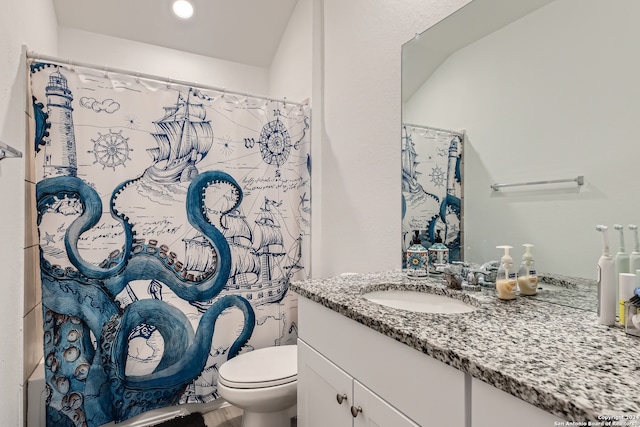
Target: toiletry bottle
627, 283
506, 277
622, 262
606, 282
527, 277
438, 254
417, 259
634, 258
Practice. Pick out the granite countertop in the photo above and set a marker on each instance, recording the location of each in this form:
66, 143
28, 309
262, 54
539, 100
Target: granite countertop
555, 357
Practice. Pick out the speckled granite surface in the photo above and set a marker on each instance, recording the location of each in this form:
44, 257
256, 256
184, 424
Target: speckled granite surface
555, 357
568, 291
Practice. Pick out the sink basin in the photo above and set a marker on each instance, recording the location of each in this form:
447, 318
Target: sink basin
548, 287
420, 302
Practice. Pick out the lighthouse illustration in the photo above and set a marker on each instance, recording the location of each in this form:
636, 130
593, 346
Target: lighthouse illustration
60, 150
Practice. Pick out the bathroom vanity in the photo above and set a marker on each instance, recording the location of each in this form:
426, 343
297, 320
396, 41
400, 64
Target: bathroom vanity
523, 362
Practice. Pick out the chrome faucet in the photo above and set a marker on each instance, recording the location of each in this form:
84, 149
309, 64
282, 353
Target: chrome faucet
455, 273
489, 272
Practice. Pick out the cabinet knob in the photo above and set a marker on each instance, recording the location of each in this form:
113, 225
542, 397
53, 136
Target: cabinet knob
355, 411
340, 398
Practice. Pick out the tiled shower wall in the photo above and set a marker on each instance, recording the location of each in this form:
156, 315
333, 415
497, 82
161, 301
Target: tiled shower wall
32, 314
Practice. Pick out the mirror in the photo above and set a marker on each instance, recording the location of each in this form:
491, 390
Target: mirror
543, 91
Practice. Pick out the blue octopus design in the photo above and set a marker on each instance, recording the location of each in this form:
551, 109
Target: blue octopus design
89, 380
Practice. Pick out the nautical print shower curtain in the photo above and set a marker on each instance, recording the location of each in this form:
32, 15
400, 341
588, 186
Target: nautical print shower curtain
171, 221
431, 188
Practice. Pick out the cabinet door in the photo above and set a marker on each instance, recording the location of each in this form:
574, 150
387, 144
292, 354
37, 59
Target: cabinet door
493, 407
375, 412
321, 385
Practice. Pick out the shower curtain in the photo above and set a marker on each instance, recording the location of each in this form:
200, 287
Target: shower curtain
171, 221
431, 188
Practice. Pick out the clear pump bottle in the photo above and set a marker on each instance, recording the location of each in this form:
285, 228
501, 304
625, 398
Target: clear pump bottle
506, 276
527, 277
634, 258
621, 261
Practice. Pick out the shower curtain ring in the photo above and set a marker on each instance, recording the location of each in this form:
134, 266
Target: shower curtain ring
137, 77
73, 68
169, 82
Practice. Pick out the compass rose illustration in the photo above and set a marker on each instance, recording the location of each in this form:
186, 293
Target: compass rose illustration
275, 142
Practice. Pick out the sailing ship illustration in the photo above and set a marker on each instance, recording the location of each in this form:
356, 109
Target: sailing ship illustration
184, 137
409, 163
261, 267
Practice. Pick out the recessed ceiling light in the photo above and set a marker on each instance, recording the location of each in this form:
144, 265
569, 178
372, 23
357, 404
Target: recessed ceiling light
182, 9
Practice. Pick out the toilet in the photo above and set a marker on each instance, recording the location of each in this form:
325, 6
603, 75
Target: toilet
263, 382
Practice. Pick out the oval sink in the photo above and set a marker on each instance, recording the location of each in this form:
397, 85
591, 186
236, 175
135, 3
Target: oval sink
420, 302
548, 287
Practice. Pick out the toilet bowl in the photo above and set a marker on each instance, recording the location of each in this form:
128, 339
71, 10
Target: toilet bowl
263, 383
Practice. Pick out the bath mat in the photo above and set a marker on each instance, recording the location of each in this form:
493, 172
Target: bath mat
191, 420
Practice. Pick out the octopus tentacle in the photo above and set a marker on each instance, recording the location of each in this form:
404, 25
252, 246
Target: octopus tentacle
87, 294
193, 348
146, 265
58, 187
132, 395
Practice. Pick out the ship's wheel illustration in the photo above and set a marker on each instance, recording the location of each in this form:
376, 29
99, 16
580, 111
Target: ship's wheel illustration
111, 149
437, 176
275, 143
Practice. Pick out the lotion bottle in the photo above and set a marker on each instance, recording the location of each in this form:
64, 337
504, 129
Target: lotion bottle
634, 258
622, 262
417, 259
606, 282
527, 277
506, 276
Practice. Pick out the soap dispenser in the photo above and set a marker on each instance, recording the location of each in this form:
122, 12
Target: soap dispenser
506, 276
439, 254
417, 259
621, 260
527, 277
634, 258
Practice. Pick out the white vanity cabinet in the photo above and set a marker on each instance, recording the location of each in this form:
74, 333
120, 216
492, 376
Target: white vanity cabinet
394, 384
324, 391
492, 407
330, 397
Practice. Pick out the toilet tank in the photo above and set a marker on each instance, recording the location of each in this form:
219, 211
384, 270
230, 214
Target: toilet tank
36, 397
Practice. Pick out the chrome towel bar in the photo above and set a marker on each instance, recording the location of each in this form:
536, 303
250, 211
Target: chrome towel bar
579, 180
7, 151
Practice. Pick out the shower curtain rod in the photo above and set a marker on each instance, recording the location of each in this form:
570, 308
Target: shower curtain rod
452, 132
168, 80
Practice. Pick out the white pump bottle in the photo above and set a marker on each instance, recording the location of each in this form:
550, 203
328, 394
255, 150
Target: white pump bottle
606, 282
634, 258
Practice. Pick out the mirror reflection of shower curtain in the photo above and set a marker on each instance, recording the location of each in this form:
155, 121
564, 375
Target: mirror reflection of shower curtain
432, 187
171, 221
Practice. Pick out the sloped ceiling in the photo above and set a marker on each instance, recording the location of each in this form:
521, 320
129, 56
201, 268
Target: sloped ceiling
243, 31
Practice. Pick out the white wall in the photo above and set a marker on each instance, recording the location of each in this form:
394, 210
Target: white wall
290, 72
356, 128
99, 50
31, 23
552, 96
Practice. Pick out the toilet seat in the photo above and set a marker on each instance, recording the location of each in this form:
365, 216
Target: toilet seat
269, 367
